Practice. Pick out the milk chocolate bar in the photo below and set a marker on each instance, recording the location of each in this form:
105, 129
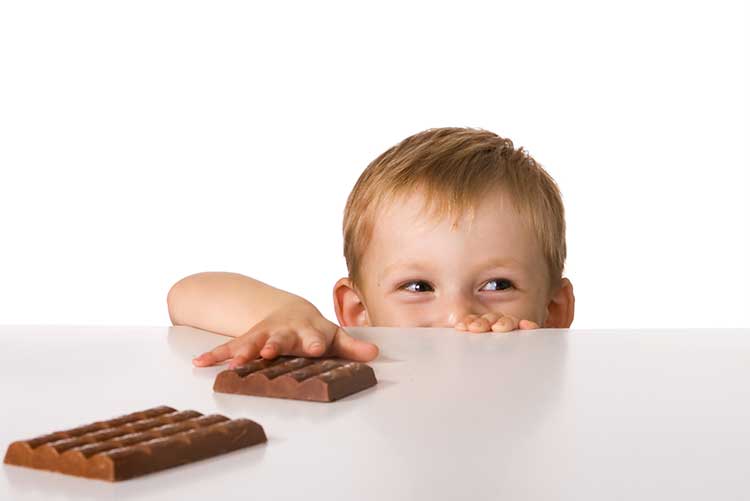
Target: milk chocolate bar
322, 380
135, 444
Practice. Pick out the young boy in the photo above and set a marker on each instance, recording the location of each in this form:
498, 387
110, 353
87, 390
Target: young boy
452, 227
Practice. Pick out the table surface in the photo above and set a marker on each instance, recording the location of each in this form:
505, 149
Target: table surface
546, 414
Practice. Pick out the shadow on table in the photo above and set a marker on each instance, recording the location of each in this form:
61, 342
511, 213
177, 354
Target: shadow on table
303, 411
478, 402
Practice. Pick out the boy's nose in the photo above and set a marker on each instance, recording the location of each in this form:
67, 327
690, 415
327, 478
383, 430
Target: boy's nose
457, 309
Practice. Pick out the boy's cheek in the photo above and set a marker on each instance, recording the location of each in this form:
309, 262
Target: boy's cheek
534, 311
410, 315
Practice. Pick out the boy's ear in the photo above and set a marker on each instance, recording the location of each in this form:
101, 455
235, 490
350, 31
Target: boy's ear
561, 308
350, 310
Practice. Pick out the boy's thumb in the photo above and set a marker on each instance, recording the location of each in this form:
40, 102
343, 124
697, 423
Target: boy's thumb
350, 348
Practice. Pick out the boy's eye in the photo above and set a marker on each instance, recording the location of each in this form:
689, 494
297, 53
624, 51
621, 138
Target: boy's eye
500, 284
419, 286
496, 284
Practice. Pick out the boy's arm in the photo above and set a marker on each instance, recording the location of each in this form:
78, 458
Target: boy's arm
265, 321
222, 302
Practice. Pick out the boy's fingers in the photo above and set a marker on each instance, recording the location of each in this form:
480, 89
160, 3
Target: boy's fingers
278, 343
483, 323
491, 317
350, 348
311, 342
469, 319
527, 325
218, 354
238, 360
464, 322
247, 349
241, 357
505, 323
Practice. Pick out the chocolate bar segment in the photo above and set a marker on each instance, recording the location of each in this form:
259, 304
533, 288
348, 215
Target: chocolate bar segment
321, 380
135, 444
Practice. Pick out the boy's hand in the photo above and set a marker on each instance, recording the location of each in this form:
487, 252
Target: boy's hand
297, 329
495, 322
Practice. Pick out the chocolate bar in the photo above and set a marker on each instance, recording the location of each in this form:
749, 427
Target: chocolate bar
135, 444
321, 380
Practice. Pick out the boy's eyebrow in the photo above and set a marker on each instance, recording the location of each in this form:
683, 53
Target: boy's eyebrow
489, 263
505, 262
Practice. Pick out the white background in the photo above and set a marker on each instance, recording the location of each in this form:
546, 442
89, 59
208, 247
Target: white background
144, 141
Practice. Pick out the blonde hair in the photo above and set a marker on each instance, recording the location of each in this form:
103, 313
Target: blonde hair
457, 167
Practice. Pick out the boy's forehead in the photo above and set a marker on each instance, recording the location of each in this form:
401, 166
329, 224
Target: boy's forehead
397, 213
406, 232
417, 209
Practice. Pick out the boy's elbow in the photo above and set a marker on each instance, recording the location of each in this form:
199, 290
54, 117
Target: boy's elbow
181, 298
173, 302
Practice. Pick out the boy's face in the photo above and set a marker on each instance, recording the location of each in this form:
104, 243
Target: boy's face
419, 272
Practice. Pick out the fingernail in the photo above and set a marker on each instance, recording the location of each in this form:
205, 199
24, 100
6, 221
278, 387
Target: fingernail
476, 323
315, 345
461, 325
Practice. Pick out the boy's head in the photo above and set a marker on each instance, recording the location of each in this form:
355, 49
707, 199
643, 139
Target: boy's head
451, 222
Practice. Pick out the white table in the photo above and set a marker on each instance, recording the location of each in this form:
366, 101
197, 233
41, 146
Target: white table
547, 414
